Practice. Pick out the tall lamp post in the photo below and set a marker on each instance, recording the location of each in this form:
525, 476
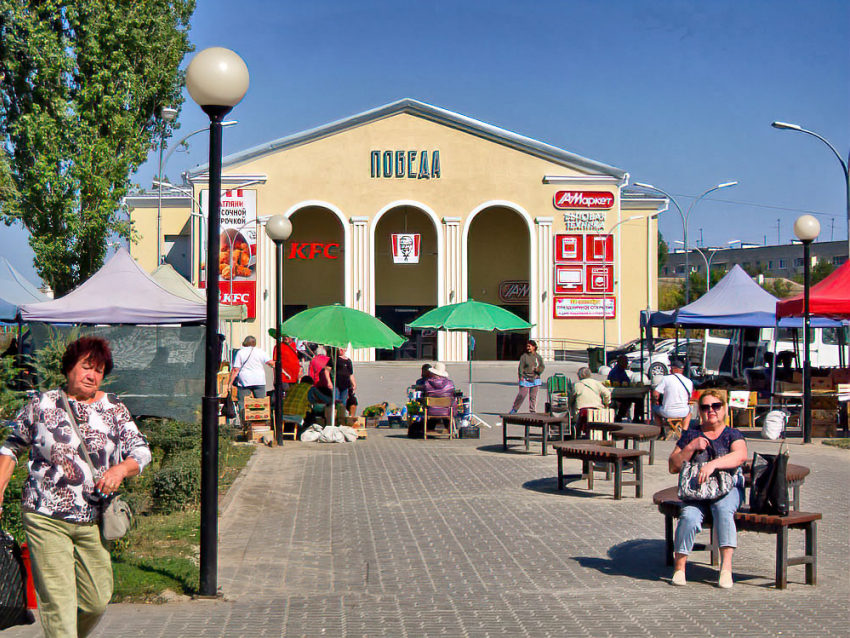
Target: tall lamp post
844, 165
166, 114
278, 228
605, 295
807, 229
217, 80
707, 260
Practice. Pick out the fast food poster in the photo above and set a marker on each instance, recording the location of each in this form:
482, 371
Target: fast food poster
406, 248
584, 308
237, 263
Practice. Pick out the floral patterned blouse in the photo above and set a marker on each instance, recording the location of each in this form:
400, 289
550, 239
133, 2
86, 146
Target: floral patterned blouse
60, 482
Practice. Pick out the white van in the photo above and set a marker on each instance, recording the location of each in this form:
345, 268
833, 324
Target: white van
720, 350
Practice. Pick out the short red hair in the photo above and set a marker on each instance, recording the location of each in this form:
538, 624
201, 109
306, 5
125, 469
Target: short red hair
95, 349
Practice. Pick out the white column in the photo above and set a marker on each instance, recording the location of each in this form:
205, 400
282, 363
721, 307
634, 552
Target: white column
452, 346
359, 261
543, 330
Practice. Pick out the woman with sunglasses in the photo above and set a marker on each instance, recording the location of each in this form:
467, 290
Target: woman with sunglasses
731, 452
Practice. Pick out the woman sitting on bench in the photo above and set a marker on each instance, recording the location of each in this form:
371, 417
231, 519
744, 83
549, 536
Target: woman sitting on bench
730, 453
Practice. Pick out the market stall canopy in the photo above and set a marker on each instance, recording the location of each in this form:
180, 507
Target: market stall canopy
736, 301
470, 315
119, 293
340, 326
828, 298
15, 291
177, 284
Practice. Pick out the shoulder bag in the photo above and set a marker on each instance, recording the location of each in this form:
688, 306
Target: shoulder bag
718, 485
769, 490
116, 517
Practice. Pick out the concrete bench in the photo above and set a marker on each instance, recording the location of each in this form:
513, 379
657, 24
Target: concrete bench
668, 503
591, 453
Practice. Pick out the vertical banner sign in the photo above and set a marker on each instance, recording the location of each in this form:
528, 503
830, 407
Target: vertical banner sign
406, 248
237, 262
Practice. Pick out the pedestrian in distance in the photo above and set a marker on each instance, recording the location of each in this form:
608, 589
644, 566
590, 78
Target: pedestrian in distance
64, 495
529, 370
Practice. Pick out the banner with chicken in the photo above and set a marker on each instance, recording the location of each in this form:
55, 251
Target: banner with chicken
237, 257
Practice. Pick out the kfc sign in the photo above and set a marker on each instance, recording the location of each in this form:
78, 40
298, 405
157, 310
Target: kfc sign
406, 248
565, 200
311, 250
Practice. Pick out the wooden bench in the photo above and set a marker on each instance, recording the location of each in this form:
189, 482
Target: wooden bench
637, 433
668, 503
590, 453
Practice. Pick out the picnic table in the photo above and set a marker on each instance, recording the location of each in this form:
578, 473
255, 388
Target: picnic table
639, 393
528, 420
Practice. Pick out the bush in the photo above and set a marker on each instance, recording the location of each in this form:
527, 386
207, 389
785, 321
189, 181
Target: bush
170, 438
177, 485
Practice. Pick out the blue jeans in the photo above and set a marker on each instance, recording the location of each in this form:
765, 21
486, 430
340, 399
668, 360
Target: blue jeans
722, 511
342, 396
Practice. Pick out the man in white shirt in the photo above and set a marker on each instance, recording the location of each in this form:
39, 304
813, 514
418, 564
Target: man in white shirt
248, 373
671, 395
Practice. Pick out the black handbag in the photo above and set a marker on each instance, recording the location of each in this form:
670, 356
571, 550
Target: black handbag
13, 585
769, 490
718, 485
229, 408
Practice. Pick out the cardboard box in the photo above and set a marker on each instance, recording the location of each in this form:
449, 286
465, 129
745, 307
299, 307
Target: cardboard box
821, 383
821, 431
257, 409
257, 430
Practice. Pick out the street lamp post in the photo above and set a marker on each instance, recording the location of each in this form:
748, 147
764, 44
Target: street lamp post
807, 228
605, 294
844, 165
166, 114
685, 217
707, 260
217, 80
278, 228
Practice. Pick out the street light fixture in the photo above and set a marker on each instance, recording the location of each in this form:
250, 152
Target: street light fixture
707, 260
166, 114
807, 229
685, 217
217, 80
278, 228
844, 165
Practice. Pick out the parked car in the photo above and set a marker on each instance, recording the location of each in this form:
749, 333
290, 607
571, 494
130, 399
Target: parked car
665, 345
658, 363
626, 348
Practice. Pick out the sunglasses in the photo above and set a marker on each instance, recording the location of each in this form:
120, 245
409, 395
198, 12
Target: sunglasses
705, 407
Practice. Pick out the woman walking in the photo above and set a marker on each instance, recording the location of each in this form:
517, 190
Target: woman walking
529, 371
63, 495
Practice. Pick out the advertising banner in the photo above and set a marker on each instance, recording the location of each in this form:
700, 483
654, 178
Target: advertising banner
568, 248
569, 280
599, 279
237, 263
599, 248
406, 248
583, 308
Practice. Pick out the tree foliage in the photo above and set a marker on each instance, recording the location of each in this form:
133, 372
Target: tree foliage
83, 81
663, 252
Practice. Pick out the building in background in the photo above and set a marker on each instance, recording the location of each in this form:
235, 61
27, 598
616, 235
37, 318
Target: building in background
772, 261
408, 206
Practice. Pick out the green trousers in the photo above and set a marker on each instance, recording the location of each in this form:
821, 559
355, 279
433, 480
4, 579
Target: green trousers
72, 574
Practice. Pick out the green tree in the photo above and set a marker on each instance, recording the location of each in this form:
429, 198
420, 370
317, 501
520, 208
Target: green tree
820, 271
83, 81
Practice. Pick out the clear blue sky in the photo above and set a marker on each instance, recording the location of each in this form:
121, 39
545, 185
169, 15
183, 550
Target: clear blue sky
678, 93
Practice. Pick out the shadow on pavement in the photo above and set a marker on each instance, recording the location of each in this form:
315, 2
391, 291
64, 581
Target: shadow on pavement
550, 486
518, 449
643, 559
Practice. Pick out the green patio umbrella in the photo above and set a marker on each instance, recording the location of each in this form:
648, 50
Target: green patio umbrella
470, 315
340, 326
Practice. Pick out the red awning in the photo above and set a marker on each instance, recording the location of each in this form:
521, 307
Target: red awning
829, 298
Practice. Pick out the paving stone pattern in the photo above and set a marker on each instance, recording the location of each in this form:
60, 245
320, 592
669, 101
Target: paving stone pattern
399, 537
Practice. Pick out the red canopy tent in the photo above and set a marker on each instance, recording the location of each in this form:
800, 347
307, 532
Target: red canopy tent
829, 298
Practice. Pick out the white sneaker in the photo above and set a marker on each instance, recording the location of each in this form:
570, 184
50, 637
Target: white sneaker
679, 578
725, 580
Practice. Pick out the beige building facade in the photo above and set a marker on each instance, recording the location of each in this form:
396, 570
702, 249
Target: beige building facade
407, 207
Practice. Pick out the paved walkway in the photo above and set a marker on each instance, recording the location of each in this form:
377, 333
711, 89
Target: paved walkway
399, 537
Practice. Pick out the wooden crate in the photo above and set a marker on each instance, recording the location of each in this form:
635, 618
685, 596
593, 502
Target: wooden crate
257, 409
823, 430
255, 430
221, 382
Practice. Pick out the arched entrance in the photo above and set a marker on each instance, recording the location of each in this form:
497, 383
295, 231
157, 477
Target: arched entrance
498, 272
404, 290
314, 261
